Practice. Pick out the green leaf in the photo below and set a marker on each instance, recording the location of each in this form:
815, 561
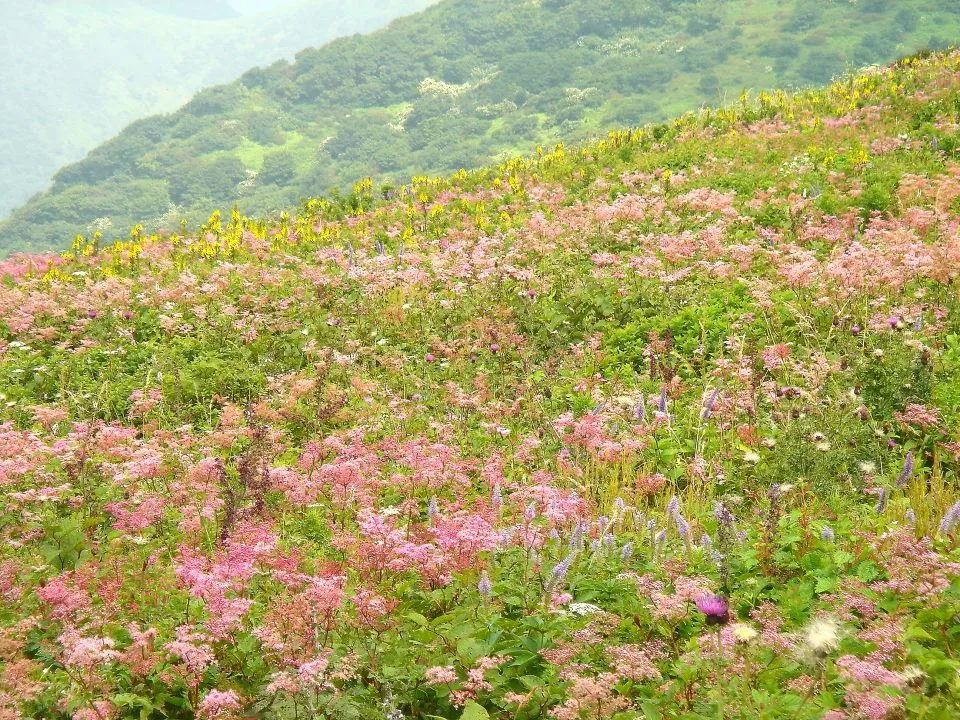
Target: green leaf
825, 584
650, 710
868, 570
473, 711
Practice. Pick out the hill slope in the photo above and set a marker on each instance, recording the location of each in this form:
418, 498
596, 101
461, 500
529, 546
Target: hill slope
453, 87
664, 426
74, 73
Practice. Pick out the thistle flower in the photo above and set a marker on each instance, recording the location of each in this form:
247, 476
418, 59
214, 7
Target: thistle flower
715, 608
821, 636
743, 633
906, 472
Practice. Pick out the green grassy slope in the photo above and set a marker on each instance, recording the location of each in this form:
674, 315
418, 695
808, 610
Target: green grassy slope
457, 85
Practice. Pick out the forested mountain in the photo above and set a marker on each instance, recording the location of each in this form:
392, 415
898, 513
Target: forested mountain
454, 86
74, 73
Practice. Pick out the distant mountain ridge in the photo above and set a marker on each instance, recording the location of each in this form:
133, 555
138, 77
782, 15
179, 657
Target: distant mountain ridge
74, 73
458, 85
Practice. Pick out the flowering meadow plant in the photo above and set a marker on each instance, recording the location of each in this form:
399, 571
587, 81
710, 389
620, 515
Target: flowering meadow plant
663, 427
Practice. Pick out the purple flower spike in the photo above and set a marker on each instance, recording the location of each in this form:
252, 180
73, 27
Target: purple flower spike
715, 608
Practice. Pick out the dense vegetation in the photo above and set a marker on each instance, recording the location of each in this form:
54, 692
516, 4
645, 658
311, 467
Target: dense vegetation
73, 73
662, 427
454, 87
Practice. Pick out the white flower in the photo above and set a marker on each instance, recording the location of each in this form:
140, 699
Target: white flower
743, 633
583, 608
821, 636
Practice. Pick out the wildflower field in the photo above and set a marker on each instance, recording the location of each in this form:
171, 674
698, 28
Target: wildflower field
661, 427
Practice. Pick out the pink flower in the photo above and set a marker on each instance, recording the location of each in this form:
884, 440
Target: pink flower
218, 703
715, 608
440, 675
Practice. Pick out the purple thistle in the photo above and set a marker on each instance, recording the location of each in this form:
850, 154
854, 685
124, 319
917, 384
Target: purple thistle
715, 608
907, 470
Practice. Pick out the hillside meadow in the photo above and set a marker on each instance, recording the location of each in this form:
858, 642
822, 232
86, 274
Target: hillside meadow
661, 426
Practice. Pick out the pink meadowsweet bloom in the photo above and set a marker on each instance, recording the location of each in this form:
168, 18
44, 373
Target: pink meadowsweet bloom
62, 594
919, 416
440, 675
775, 355
218, 703
80, 651
101, 710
